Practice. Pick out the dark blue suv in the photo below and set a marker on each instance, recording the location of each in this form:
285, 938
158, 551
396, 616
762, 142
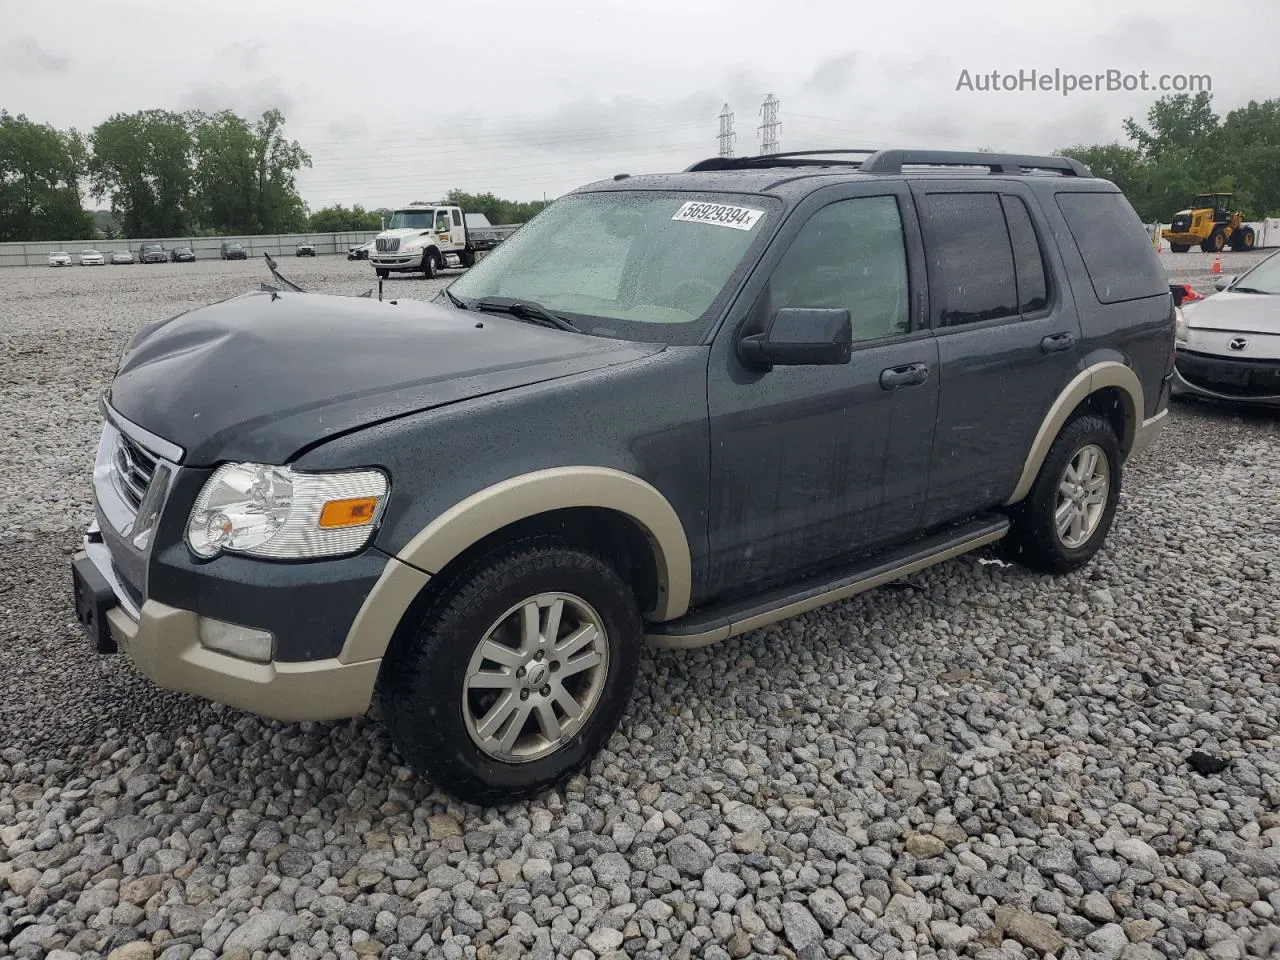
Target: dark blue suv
673, 408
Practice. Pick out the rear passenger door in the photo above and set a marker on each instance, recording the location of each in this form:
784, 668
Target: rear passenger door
1007, 332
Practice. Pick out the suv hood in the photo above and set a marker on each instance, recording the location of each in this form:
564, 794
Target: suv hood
264, 375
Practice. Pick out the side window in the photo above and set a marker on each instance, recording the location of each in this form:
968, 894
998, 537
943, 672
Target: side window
442, 221
1117, 253
457, 219
970, 258
849, 254
1028, 257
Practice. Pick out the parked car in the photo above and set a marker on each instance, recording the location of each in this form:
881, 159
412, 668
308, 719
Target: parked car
91, 258
1228, 344
739, 407
121, 256
59, 258
360, 251
305, 249
152, 253
182, 254
234, 250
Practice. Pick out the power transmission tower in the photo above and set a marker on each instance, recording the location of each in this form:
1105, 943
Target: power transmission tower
727, 135
769, 125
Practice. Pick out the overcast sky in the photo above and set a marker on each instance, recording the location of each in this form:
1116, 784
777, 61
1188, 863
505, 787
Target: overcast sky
527, 98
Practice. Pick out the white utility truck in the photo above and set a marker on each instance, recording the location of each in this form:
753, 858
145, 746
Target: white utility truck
429, 237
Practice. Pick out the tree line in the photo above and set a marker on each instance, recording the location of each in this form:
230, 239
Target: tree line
1185, 148
175, 174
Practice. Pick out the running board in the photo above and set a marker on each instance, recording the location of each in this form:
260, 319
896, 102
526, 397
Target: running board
729, 620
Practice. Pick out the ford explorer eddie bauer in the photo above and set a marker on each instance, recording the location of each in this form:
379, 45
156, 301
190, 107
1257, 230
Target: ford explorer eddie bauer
775, 382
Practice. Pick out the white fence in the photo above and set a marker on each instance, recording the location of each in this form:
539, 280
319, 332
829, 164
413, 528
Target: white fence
205, 248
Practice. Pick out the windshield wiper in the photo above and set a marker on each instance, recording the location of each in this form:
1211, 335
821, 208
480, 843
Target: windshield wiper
1265, 293
530, 312
454, 299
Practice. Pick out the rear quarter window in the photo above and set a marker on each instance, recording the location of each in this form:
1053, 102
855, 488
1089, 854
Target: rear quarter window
1117, 252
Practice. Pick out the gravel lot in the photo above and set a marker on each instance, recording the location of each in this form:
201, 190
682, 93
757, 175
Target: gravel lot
985, 763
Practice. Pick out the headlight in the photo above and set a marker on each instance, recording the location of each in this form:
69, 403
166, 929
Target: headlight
1180, 325
278, 513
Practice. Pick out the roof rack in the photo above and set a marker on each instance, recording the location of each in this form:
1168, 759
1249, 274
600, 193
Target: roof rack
892, 161
792, 158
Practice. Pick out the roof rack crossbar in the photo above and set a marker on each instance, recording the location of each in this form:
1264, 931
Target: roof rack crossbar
791, 158
892, 161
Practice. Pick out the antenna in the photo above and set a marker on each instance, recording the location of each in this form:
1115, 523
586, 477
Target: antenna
769, 125
727, 135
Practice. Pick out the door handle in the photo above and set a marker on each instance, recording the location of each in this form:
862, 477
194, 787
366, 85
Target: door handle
1057, 342
905, 376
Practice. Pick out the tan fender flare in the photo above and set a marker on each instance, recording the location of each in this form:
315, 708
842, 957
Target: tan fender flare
508, 502
1100, 376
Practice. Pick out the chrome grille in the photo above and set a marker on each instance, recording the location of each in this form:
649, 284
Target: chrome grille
134, 468
388, 244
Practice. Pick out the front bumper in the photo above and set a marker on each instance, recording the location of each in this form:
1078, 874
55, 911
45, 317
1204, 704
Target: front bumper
164, 644
397, 261
1235, 380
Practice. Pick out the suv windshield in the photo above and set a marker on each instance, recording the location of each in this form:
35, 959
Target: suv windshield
633, 265
412, 220
1263, 278
151, 246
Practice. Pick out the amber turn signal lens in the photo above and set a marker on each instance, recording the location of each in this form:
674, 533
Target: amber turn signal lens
348, 513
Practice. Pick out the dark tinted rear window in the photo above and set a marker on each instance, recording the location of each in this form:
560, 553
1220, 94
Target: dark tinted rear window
1117, 252
1033, 291
970, 258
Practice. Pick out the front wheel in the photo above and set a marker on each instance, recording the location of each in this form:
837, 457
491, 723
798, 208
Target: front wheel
1065, 518
516, 674
430, 264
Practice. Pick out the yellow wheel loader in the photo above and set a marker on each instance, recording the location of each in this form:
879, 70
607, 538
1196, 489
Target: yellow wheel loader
1210, 224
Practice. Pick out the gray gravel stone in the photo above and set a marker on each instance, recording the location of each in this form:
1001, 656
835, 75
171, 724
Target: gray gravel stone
970, 766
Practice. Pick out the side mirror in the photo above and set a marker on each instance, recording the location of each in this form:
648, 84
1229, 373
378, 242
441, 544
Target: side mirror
1223, 282
801, 336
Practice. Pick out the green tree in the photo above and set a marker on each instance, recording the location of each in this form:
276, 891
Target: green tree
1184, 148
245, 174
40, 170
340, 219
495, 208
142, 162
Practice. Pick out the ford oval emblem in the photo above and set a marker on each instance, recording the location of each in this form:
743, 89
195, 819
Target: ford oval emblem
1239, 343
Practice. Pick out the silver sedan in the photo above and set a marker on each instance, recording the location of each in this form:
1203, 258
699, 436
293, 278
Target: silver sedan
1228, 345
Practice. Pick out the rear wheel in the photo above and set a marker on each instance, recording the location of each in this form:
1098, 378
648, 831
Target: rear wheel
1179, 247
1067, 515
516, 674
1243, 239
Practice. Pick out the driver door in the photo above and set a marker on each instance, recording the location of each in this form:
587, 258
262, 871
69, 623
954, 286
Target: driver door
813, 464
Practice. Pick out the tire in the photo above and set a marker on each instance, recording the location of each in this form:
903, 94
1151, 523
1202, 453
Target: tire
1215, 241
1034, 540
467, 258
431, 264
435, 723
382, 274
1179, 247
1243, 239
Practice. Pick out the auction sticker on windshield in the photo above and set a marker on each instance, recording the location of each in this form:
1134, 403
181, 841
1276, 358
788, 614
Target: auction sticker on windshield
719, 214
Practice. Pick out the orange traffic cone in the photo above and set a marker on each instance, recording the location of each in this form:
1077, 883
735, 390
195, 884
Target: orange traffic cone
1217, 265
